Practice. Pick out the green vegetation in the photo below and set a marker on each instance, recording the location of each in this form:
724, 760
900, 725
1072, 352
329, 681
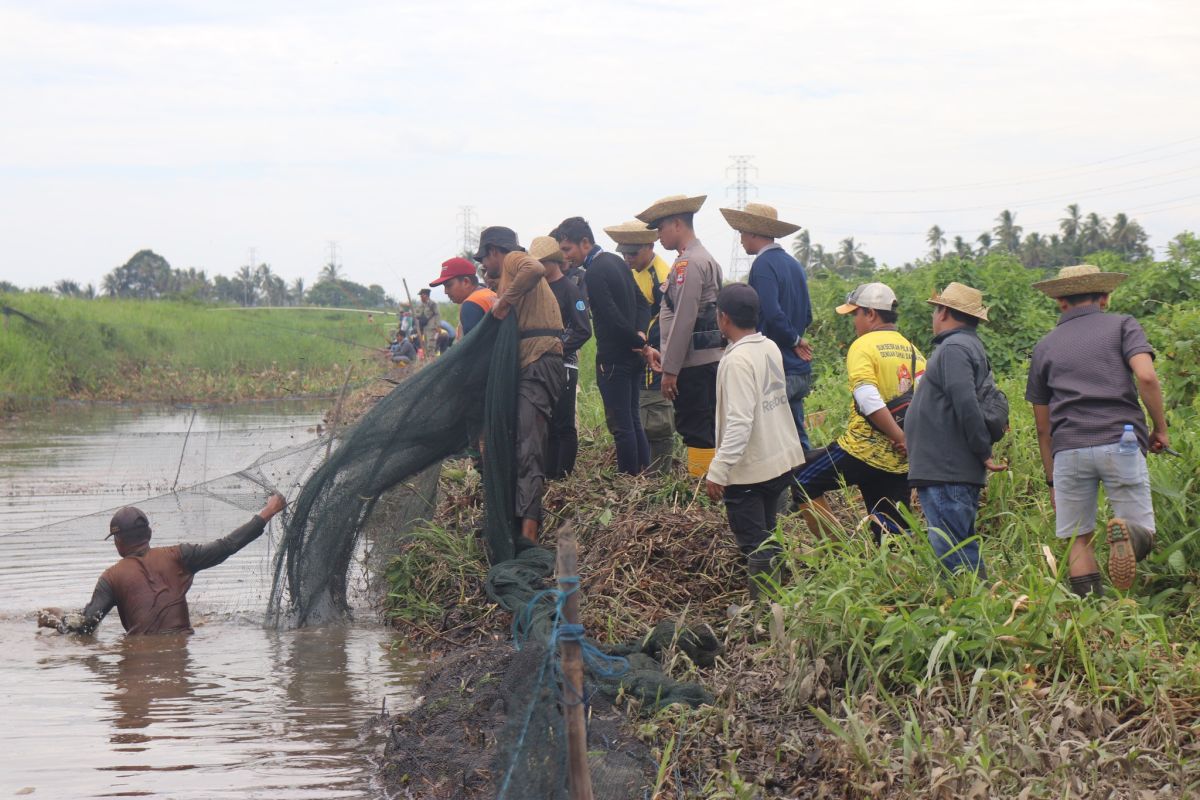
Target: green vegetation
872, 676
113, 349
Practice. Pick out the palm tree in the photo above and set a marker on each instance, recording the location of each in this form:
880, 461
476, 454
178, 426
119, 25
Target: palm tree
985, 243
265, 280
1093, 235
961, 248
1128, 238
819, 258
330, 272
1035, 252
849, 256
936, 239
802, 248
1069, 225
246, 275
66, 288
1008, 232
297, 292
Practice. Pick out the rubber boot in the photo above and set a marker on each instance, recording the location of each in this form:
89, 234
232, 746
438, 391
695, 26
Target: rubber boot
698, 459
762, 572
1127, 544
1090, 584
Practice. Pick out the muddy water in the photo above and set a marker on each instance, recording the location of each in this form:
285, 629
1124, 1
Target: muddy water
232, 711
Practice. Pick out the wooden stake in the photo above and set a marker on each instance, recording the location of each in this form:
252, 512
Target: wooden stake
579, 777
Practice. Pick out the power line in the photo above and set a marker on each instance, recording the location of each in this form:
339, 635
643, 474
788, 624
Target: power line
741, 187
1066, 172
469, 231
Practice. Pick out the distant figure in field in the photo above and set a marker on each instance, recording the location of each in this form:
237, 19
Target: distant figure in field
149, 585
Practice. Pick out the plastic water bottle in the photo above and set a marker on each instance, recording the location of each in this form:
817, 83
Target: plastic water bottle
1129, 442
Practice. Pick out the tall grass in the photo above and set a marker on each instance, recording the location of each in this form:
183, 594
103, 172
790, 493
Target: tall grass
129, 349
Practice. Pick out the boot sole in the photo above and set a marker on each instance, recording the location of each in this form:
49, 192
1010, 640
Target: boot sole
1122, 562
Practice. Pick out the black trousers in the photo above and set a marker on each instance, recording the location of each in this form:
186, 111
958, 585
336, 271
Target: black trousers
696, 406
751, 508
563, 443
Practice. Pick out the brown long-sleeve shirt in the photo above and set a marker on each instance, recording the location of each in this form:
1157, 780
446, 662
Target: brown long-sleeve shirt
149, 588
523, 286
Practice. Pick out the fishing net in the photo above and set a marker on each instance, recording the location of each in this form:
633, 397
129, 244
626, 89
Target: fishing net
435, 413
197, 473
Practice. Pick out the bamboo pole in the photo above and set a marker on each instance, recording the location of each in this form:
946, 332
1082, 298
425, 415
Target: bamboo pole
579, 777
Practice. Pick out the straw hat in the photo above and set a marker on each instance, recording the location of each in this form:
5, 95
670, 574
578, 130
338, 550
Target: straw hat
760, 219
670, 206
632, 232
545, 248
962, 298
1081, 279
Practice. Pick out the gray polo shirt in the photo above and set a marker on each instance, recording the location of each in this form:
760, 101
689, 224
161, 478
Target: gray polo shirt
1081, 371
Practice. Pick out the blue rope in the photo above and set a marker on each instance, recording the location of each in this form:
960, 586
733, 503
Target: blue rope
600, 663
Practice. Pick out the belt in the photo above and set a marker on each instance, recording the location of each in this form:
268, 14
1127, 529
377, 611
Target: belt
535, 332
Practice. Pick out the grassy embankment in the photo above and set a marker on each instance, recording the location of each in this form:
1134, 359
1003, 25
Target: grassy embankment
168, 351
872, 675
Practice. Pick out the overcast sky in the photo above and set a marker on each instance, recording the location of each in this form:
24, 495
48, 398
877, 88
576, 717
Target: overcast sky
202, 129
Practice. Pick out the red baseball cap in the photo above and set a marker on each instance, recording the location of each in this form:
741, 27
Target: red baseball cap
454, 268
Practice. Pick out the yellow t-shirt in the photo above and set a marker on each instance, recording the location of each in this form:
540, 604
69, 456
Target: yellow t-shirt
882, 358
654, 274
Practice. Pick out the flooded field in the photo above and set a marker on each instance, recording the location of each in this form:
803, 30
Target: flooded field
235, 710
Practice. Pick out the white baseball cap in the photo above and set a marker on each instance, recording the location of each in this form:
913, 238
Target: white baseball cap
878, 296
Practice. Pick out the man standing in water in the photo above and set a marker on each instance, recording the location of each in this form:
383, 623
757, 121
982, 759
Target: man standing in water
149, 585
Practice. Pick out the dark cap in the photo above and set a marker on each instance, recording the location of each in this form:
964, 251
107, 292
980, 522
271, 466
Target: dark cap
740, 303
128, 520
424, 291
497, 236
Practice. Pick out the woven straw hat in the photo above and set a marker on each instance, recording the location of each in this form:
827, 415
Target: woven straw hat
545, 248
962, 298
670, 206
760, 219
632, 232
1080, 279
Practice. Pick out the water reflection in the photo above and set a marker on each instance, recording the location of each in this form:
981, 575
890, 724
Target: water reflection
232, 711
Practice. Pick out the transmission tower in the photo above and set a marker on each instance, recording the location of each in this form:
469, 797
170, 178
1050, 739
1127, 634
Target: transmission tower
468, 230
741, 188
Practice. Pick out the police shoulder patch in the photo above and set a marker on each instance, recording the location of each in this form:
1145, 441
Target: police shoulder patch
680, 270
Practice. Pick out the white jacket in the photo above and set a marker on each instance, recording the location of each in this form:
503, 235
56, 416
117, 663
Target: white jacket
756, 435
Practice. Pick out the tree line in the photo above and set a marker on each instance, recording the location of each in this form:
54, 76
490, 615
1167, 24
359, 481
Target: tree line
149, 276
1077, 237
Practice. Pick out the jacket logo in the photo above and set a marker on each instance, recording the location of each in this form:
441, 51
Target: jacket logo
775, 379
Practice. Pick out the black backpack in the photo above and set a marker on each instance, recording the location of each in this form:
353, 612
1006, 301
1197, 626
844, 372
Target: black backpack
993, 403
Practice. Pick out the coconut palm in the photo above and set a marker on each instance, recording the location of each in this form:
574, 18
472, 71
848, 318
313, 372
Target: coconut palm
936, 238
985, 243
330, 272
1035, 252
1069, 225
802, 248
1093, 235
1128, 238
961, 248
1008, 232
849, 256
297, 292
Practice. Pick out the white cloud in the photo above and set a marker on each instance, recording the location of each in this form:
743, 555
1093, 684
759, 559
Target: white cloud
200, 129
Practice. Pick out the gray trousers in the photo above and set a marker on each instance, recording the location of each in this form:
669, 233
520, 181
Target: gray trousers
658, 420
538, 389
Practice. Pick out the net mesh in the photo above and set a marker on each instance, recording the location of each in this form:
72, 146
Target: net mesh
437, 412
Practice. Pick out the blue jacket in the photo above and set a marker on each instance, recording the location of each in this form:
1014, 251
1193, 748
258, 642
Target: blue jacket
784, 308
